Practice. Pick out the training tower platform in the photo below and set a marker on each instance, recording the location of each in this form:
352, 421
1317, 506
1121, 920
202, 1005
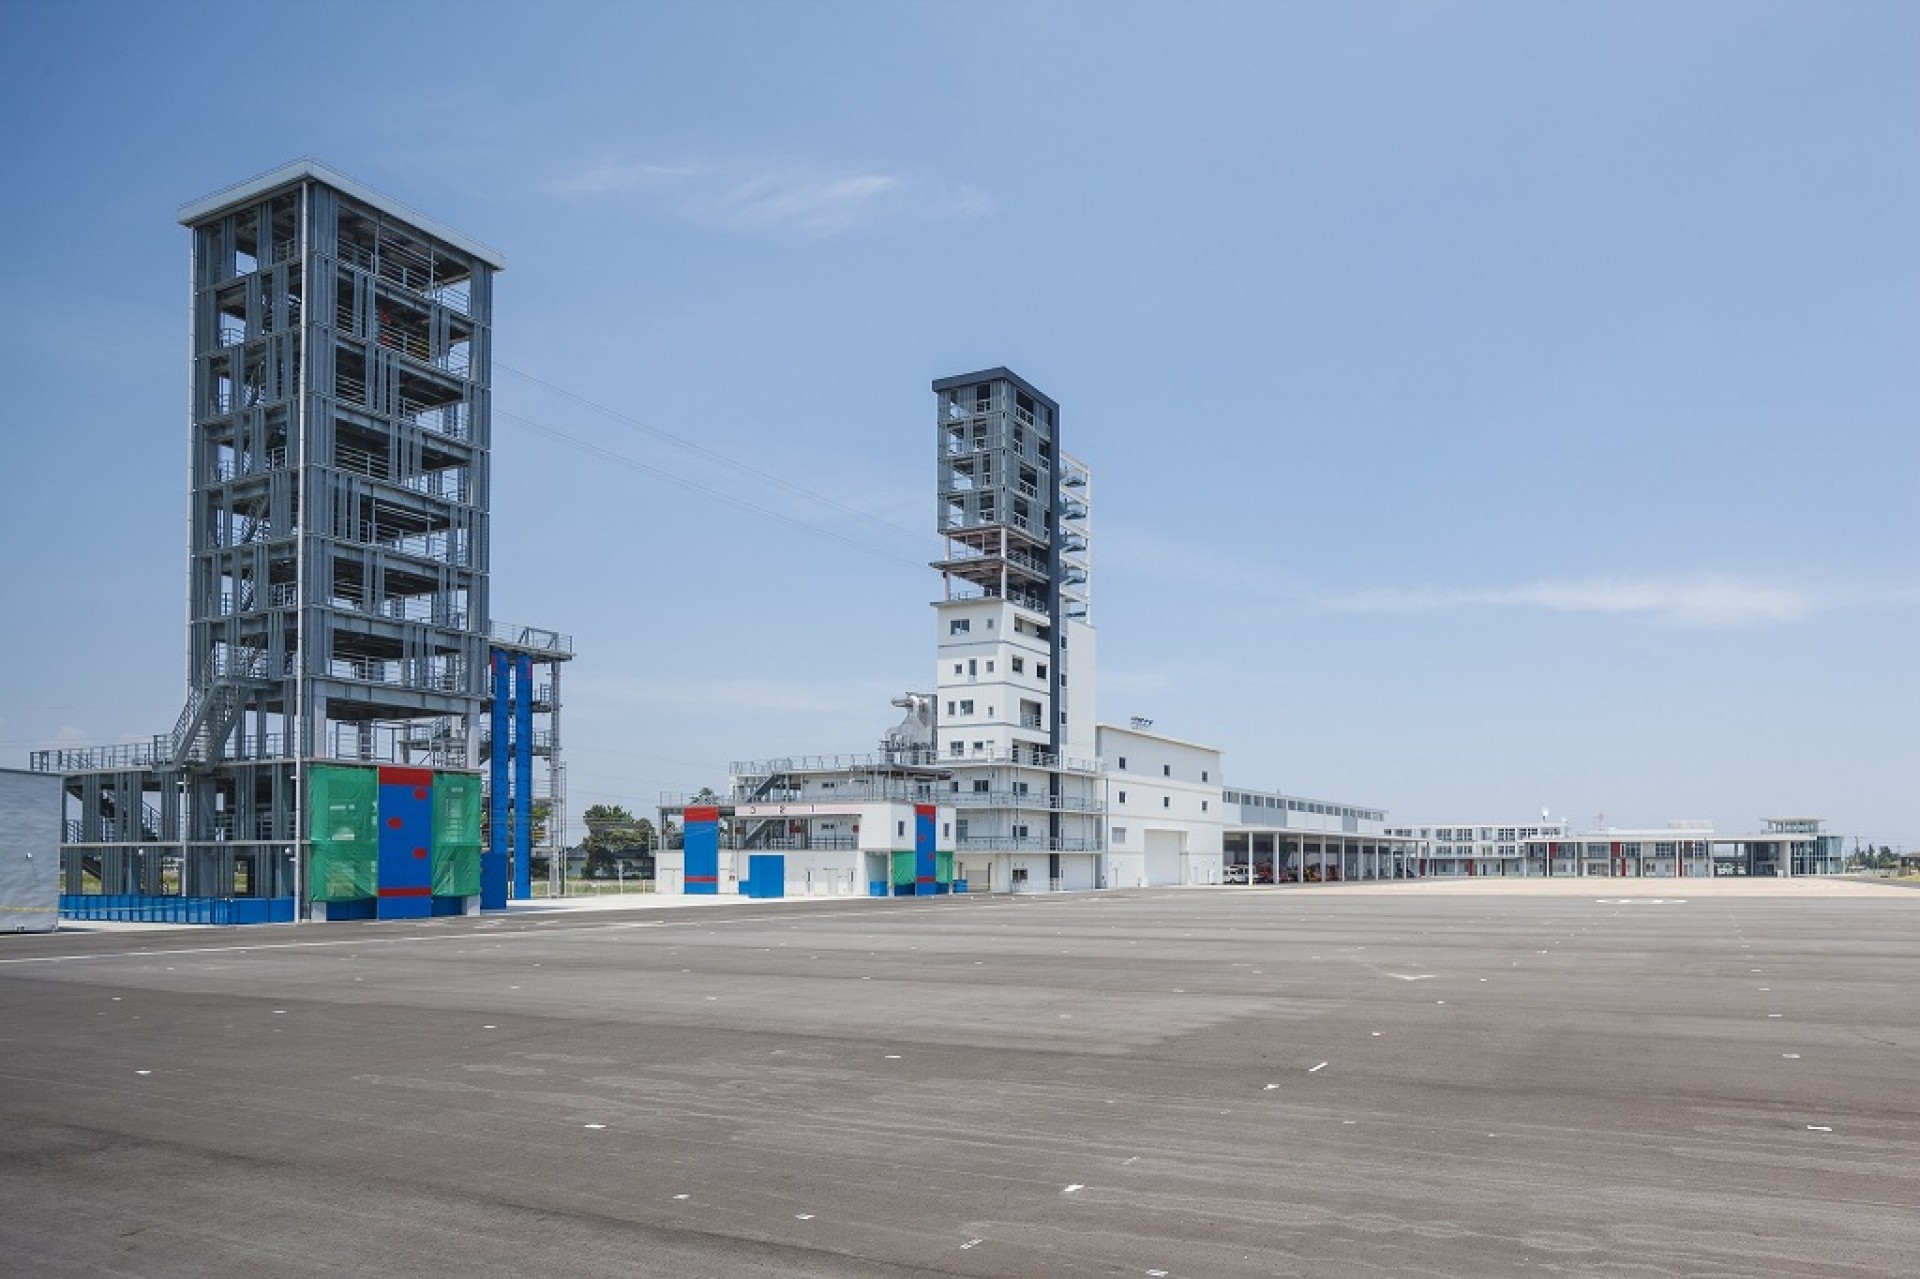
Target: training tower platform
339, 643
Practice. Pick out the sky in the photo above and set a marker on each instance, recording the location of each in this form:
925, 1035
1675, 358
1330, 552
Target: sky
1491, 406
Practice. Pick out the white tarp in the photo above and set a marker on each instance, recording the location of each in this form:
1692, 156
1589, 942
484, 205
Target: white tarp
29, 851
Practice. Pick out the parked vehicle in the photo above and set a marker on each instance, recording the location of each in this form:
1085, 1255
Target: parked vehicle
1234, 875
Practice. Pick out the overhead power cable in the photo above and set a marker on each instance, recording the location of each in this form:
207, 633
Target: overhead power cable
541, 428
680, 441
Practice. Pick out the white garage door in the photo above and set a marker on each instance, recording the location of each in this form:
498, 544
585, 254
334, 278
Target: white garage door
1163, 856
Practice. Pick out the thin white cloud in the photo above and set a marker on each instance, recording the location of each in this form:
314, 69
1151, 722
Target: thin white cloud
788, 198
1700, 601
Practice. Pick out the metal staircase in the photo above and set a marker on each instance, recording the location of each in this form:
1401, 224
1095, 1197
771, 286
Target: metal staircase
213, 708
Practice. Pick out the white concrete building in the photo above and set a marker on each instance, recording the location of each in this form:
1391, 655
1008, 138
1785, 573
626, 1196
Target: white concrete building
1165, 817
1469, 849
1680, 849
1015, 655
817, 826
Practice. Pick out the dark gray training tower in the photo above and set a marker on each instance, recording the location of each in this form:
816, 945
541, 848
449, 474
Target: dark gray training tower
337, 535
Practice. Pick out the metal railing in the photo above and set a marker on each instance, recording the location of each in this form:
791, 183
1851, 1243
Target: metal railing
389, 742
142, 909
925, 757
273, 459
442, 676
534, 638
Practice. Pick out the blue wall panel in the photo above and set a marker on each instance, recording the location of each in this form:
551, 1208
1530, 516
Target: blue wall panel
523, 777
766, 875
493, 861
406, 835
924, 884
700, 844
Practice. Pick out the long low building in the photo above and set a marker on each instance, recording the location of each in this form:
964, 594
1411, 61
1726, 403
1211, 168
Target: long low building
1276, 838
1784, 846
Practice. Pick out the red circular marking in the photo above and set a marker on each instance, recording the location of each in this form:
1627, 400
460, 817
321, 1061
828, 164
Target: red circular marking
393, 823
419, 792
420, 852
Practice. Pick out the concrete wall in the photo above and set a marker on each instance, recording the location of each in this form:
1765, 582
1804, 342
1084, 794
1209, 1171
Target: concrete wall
30, 814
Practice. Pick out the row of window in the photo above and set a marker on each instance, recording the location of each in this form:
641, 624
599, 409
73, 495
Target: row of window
1166, 770
1166, 801
1248, 799
1467, 834
1018, 665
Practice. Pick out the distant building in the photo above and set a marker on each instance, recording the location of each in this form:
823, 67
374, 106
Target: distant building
1785, 846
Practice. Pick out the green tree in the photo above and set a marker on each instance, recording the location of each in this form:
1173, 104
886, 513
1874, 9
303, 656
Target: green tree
614, 835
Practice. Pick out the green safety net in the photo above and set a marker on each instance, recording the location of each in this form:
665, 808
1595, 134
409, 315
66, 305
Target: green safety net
456, 835
343, 823
943, 868
903, 868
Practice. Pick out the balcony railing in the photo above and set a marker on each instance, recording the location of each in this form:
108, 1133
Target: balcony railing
535, 638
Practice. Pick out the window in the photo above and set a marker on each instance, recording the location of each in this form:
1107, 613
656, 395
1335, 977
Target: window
900, 829
1123, 797
1119, 834
1166, 801
950, 706
1039, 670
1166, 770
956, 668
958, 748
959, 626
980, 786
989, 666
947, 830
973, 666
1019, 666
989, 623
1019, 832
979, 747
1123, 763
1204, 777
966, 706
1203, 805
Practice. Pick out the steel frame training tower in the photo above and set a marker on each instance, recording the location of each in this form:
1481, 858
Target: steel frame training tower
337, 603
1013, 625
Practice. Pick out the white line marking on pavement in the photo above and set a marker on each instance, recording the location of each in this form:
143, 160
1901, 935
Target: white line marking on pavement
593, 1125
1412, 977
1321, 1066
1818, 1128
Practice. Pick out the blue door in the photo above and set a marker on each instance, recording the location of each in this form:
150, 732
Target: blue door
766, 875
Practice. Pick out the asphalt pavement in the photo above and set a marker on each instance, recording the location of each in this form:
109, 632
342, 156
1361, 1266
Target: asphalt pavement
1400, 1080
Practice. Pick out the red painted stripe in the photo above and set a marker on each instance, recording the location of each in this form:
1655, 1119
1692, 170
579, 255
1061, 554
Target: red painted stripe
420, 891
924, 810
703, 879
701, 814
406, 777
